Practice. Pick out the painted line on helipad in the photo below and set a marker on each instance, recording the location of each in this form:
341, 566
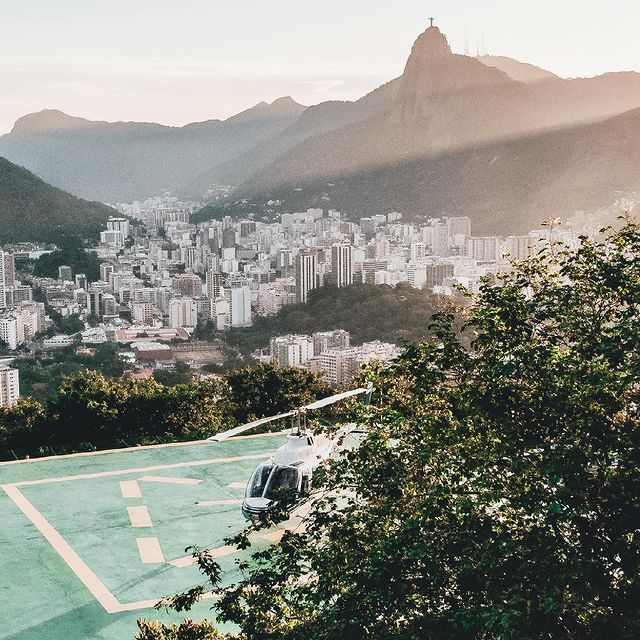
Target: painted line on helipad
139, 516
169, 480
130, 489
150, 550
187, 561
217, 503
90, 580
159, 467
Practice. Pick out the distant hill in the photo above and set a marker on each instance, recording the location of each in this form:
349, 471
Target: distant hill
315, 121
516, 70
420, 143
124, 161
445, 103
505, 187
368, 312
32, 210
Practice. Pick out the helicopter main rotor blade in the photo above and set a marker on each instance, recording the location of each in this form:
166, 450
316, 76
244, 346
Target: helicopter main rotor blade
236, 431
319, 404
325, 402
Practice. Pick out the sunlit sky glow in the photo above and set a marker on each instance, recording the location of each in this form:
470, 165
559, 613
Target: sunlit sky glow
179, 62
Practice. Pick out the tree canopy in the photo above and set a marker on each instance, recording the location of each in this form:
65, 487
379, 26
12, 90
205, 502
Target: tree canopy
495, 493
367, 312
85, 406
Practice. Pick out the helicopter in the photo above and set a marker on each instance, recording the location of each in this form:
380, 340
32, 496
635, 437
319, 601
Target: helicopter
290, 469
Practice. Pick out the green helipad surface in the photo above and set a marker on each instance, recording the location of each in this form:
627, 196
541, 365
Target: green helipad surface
89, 543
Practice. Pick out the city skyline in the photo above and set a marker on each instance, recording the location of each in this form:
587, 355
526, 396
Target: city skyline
201, 60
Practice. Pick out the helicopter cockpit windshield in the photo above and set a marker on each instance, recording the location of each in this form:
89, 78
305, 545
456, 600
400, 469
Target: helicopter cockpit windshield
271, 481
259, 479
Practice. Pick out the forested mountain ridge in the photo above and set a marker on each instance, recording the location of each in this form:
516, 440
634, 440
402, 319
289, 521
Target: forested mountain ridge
32, 210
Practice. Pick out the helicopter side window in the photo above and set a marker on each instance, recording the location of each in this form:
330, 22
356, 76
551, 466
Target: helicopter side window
306, 484
282, 479
258, 481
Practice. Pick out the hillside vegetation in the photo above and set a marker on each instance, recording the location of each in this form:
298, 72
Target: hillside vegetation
32, 210
367, 312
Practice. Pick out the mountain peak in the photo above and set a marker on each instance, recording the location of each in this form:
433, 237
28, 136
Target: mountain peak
285, 101
49, 120
433, 71
285, 106
430, 45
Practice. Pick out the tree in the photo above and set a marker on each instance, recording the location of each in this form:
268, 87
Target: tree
269, 389
70, 252
495, 494
88, 407
367, 312
181, 374
188, 630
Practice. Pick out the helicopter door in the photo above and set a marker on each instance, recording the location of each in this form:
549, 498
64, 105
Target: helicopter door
283, 479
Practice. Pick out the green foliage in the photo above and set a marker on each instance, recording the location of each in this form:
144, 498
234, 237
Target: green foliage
40, 378
495, 495
268, 389
67, 325
188, 630
71, 252
367, 312
32, 210
180, 374
90, 408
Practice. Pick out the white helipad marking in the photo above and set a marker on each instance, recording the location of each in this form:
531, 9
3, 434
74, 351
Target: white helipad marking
159, 467
130, 489
169, 480
237, 485
139, 516
273, 536
105, 452
150, 551
94, 585
187, 561
217, 503
90, 580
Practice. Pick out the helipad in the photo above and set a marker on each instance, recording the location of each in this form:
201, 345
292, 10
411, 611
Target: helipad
89, 543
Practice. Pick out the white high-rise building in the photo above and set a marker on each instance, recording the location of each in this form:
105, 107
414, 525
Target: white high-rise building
9, 264
485, 248
142, 312
95, 302
119, 224
9, 331
9, 386
183, 312
291, 351
3, 297
306, 274
239, 299
339, 366
331, 340
342, 264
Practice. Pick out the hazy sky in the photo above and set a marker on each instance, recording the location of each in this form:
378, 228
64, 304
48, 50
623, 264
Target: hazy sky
178, 61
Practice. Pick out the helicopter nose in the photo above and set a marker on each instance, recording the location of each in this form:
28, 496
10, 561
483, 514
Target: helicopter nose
256, 506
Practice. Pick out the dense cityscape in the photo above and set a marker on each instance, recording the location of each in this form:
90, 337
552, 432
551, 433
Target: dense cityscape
160, 276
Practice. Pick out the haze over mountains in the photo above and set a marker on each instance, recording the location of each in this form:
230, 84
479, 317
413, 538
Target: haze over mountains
122, 161
499, 140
